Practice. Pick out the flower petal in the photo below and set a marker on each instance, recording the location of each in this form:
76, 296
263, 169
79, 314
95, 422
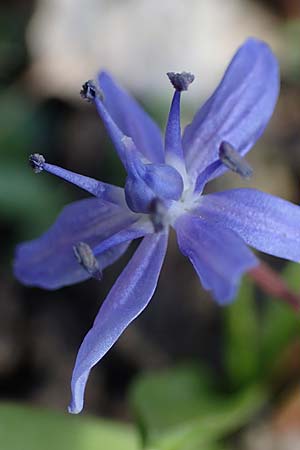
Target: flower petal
238, 110
128, 297
132, 119
268, 223
218, 255
49, 261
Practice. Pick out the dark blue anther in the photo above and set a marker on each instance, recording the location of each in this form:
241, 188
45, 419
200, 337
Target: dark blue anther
181, 81
37, 162
231, 158
86, 258
89, 91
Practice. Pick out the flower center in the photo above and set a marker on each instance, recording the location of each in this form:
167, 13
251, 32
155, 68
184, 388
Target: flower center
163, 214
149, 182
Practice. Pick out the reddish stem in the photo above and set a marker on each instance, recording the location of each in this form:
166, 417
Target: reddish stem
272, 283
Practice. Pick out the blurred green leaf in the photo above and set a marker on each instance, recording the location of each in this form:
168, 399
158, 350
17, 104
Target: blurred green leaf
291, 35
280, 322
228, 415
169, 398
13, 21
180, 410
26, 428
291, 274
254, 342
19, 126
30, 202
28, 199
242, 337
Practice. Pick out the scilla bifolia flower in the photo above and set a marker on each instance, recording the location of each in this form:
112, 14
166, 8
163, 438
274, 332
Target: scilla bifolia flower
164, 189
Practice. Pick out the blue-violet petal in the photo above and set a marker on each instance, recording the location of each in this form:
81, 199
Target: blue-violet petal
265, 222
238, 110
132, 119
128, 297
218, 255
49, 261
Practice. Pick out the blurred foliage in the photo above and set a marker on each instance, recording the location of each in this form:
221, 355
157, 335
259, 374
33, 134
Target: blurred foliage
184, 408
25, 428
242, 327
281, 325
13, 57
181, 409
291, 33
30, 202
255, 337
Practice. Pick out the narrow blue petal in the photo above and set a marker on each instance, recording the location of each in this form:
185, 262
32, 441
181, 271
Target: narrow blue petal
205, 175
128, 297
239, 109
105, 191
49, 261
132, 119
265, 222
218, 255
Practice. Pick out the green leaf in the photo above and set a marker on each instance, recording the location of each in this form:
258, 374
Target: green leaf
291, 35
19, 125
242, 337
208, 428
291, 274
26, 428
280, 322
179, 409
28, 199
166, 399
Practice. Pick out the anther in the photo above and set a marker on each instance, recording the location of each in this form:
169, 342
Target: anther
157, 212
89, 91
86, 258
37, 162
181, 81
231, 158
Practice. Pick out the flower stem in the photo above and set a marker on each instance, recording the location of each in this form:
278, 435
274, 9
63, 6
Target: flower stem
271, 283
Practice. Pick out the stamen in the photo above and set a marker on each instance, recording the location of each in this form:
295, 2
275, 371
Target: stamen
133, 231
173, 144
204, 176
105, 191
37, 162
122, 143
86, 258
90, 91
231, 158
157, 212
181, 81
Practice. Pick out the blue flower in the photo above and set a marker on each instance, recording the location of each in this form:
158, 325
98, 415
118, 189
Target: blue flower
163, 189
